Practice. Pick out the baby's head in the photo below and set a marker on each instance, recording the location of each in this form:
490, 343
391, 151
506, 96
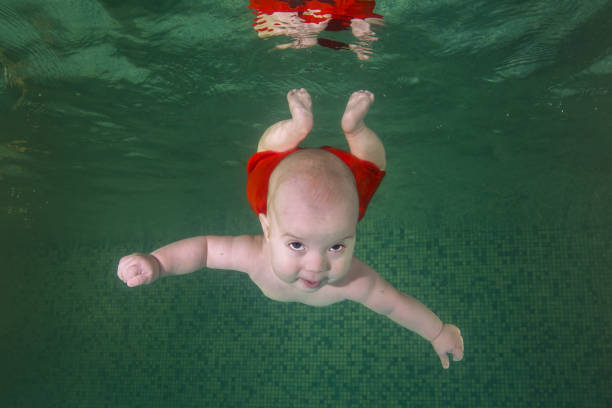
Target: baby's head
311, 219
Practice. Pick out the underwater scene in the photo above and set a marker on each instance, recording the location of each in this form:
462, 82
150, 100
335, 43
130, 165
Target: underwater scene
126, 126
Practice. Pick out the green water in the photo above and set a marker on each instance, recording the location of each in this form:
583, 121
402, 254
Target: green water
127, 126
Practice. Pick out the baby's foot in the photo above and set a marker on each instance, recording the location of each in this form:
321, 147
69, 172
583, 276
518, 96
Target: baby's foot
356, 109
300, 106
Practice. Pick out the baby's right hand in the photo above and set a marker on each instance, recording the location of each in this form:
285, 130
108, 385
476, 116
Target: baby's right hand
138, 269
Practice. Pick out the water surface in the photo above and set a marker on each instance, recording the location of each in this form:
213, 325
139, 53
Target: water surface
127, 126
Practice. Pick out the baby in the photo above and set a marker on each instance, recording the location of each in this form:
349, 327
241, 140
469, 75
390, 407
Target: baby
308, 202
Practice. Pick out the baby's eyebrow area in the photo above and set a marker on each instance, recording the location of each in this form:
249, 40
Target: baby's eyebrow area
287, 235
350, 236
296, 238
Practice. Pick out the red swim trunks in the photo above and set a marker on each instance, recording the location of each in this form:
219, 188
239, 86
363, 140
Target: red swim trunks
337, 8
261, 165
312, 11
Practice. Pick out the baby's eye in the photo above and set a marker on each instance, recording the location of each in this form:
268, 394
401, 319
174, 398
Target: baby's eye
296, 246
337, 248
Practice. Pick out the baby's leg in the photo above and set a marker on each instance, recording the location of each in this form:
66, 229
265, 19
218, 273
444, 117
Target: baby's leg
287, 134
362, 141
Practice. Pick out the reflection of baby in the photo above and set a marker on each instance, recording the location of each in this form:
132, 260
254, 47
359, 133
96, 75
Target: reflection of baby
303, 20
308, 202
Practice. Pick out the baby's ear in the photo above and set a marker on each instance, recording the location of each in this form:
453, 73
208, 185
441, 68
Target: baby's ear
265, 226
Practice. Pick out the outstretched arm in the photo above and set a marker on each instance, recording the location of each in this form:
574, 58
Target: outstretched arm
189, 255
370, 289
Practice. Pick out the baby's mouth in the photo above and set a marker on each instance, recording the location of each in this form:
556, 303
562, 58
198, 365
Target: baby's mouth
310, 284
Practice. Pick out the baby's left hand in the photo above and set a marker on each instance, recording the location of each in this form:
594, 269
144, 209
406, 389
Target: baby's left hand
449, 341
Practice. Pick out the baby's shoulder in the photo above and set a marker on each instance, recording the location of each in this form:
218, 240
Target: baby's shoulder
247, 253
358, 282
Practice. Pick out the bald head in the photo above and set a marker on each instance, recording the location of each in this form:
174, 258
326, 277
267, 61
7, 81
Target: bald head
315, 179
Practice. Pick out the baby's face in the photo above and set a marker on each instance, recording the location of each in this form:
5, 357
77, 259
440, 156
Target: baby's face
310, 246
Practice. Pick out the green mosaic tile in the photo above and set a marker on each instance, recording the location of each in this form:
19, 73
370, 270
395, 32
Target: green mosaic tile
533, 306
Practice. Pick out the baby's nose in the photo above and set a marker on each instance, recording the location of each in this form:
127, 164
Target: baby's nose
317, 263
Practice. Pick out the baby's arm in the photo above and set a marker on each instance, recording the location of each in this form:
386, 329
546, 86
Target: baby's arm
189, 255
370, 289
